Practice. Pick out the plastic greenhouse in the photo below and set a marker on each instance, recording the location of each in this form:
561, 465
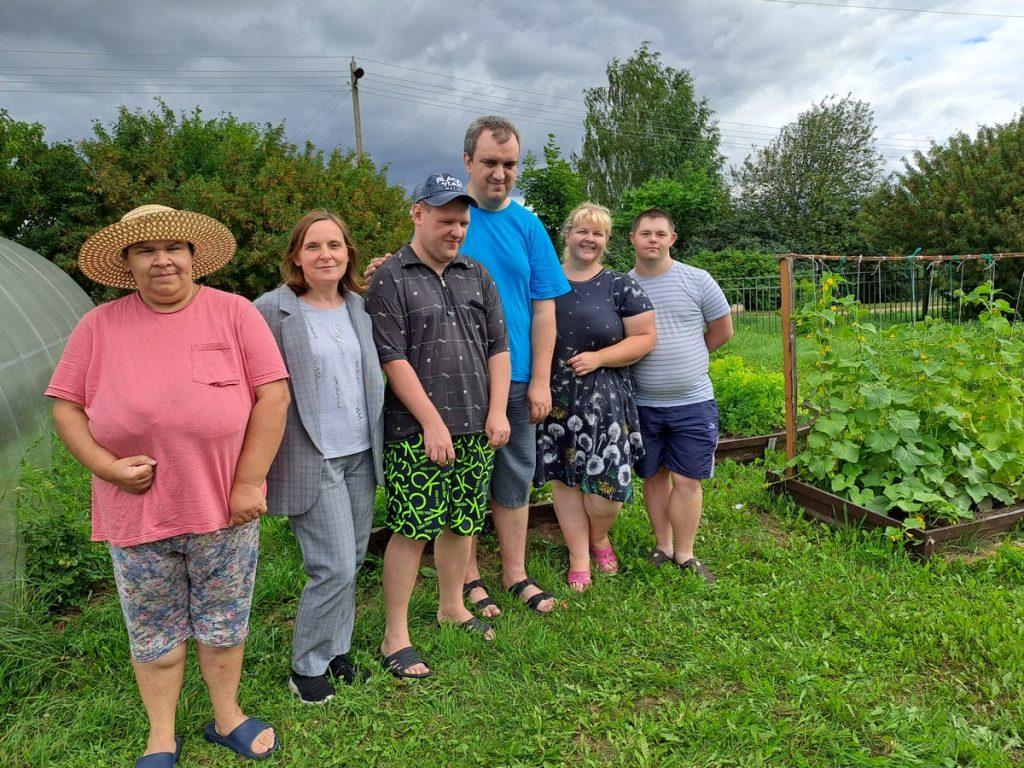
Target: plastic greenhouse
39, 305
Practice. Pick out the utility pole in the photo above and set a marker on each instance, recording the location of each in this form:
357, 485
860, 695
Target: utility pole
356, 72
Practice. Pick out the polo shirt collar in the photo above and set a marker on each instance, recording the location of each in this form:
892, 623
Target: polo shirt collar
407, 258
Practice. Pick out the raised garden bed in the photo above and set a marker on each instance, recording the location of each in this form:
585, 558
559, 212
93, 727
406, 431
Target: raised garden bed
751, 448
835, 510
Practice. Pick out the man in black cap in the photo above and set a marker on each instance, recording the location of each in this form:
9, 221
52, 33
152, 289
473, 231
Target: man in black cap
440, 334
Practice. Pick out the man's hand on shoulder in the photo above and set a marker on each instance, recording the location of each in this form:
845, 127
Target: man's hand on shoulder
374, 263
538, 397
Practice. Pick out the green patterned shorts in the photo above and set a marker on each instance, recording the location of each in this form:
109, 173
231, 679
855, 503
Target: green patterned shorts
424, 498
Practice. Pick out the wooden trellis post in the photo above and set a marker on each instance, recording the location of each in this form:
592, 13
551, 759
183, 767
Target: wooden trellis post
789, 355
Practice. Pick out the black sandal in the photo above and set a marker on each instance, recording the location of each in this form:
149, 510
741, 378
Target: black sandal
658, 557
531, 603
401, 660
475, 626
697, 567
483, 602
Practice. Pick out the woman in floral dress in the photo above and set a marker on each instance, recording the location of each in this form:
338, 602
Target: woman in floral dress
588, 443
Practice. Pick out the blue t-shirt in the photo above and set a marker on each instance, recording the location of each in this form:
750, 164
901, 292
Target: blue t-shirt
515, 248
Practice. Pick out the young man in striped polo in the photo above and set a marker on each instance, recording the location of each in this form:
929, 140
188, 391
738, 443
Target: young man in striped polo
675, 400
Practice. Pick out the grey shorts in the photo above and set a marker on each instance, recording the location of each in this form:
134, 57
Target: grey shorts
515, 462
193, 585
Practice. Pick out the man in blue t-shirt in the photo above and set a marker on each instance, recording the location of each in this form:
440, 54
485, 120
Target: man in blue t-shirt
513, 245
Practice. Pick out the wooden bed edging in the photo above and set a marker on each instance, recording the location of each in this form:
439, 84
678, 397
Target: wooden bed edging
751, 448
835, 510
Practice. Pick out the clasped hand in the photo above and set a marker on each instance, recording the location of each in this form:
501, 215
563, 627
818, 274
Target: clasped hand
133, 474
584, 363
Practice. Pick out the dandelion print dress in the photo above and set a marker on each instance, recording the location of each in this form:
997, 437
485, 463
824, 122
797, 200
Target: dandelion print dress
591, 438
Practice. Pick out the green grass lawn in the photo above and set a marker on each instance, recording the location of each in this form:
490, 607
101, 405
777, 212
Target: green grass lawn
815, 648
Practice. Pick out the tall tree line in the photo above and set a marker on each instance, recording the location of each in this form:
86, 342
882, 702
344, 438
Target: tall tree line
247, 175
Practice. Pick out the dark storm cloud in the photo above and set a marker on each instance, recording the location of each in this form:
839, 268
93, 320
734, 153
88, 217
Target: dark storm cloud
759, 63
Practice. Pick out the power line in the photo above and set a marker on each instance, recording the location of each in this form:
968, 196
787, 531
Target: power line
328, 114
336, 95
572, 126
155, 92
287, 74
658, 129
120, 54
901, 10
326, 81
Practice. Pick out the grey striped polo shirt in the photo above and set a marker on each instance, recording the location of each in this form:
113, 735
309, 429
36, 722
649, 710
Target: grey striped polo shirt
676, 370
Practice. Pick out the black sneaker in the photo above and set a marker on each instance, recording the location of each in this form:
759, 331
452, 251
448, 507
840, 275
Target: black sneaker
311, 690
341, 668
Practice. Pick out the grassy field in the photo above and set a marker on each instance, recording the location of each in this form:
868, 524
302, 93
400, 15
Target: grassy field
815, 648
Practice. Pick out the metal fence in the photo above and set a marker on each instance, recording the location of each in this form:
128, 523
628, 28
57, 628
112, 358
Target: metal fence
892, 293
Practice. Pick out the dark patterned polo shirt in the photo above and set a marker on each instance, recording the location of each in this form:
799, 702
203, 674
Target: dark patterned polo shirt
446, 326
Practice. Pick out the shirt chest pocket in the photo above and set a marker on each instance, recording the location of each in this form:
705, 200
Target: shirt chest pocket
214, 364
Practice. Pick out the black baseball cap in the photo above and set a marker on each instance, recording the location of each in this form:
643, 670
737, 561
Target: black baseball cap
441, 188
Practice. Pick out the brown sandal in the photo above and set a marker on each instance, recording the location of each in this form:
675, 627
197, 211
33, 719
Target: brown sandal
696, 566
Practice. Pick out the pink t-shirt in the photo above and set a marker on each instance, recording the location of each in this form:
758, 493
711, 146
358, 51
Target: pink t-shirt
175, 386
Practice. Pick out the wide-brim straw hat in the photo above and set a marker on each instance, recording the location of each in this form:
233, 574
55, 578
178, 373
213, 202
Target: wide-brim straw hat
101, 261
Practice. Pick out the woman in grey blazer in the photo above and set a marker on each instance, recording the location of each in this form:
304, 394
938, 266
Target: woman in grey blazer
325, 475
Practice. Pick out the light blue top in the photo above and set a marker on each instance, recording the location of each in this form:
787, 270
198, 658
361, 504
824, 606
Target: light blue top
515, 248
675, 372
338, 380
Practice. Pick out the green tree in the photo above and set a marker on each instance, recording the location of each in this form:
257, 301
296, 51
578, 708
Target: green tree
693, 203
963, 196
551, 190
647, 123
42, 186
806, 187
246, 175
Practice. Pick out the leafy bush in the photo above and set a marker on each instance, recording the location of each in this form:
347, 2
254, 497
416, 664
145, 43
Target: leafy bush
62, 566
733, 268
247, 175
926, 421
731, 263
749, 402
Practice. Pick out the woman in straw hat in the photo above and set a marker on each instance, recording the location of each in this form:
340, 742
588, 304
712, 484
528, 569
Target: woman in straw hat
174, 397
330, 462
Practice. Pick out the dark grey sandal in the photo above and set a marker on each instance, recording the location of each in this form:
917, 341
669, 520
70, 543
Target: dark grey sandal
696, 566
483, 602
532, 602
478, 627
401, 660
658, 557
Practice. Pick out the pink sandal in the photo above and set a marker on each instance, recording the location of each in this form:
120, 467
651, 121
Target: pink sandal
606, 560
578, 577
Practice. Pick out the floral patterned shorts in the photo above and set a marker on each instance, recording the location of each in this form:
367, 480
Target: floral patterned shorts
193, 585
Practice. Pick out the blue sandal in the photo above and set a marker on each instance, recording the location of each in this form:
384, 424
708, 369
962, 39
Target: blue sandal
161, 759
240, 740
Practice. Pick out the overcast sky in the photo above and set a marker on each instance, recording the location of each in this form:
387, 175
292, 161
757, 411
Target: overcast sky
432, 66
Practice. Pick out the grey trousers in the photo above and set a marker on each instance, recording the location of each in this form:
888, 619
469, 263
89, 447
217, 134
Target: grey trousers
333, 536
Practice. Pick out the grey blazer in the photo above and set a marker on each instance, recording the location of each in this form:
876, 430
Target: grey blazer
294, 477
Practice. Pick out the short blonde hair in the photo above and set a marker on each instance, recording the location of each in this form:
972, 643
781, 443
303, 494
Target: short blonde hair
587, 213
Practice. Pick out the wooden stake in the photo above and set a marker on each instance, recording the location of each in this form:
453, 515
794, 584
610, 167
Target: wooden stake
789, 356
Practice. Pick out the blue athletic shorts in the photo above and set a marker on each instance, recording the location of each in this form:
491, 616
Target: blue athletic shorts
682, 438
